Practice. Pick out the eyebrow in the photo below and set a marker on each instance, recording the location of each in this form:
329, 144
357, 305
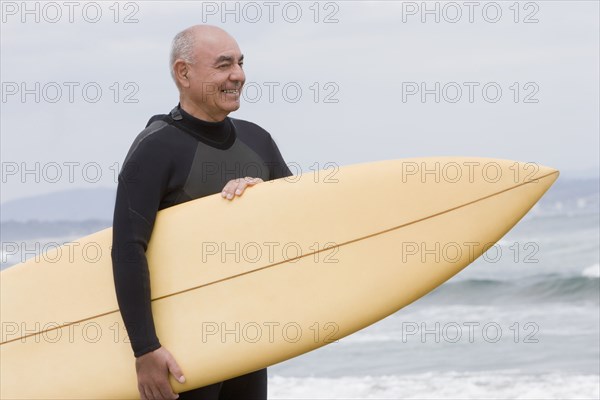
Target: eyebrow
228, 59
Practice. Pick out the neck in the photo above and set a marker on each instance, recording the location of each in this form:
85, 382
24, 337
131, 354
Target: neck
194, 110
218, 134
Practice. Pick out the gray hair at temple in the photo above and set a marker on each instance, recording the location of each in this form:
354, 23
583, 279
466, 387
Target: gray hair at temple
182, 48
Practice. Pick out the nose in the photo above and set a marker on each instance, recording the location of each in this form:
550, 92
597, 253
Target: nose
237, 74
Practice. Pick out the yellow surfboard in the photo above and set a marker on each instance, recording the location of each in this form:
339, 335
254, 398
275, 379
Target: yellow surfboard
293, 265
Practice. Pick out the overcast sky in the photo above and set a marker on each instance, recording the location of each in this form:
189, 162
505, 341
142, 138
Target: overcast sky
334, 82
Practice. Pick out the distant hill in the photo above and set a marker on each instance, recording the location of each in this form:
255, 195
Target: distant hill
566, 196
64, 216
51, 230
69, 205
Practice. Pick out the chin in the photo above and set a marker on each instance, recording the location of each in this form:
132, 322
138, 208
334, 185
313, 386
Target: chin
232, 107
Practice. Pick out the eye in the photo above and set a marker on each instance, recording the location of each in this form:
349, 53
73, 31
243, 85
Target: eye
241, 64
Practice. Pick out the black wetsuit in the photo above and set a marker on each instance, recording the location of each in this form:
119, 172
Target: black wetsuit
178, 158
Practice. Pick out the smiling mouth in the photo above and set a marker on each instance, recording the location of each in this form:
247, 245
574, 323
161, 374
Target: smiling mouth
230, 91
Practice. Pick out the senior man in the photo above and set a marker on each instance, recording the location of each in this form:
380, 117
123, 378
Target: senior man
194, 151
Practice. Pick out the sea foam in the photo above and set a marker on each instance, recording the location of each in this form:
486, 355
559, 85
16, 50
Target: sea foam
449, 385
592, 271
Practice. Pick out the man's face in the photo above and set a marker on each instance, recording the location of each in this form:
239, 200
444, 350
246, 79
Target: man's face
216, 77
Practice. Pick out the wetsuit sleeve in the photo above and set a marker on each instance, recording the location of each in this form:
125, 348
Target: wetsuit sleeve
279, 168
142, 183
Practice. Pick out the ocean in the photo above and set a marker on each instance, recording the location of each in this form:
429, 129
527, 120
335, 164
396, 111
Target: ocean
521, 322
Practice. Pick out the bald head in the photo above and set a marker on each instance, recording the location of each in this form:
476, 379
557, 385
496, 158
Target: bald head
189, 44
207, 67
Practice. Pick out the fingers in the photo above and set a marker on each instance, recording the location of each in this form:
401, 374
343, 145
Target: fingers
146, 393
236, 187
153, 375
175, 370
143, 395
165, 392
154, 393
160, 391
253, 181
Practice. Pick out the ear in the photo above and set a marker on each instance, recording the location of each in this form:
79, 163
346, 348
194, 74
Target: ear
180, 70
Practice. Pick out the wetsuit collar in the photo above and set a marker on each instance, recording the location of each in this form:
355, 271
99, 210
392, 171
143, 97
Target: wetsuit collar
219, 134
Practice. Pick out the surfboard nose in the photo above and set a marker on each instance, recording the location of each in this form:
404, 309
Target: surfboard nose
541, 175
548, 170
501, 174
550, 173
535, 169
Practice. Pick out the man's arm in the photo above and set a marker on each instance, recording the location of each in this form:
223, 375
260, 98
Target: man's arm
143, 182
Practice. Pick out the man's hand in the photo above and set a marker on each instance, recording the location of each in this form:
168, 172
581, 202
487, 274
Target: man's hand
153, 375
236, 187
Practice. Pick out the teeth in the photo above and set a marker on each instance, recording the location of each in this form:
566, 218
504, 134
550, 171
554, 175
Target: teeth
232, 91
